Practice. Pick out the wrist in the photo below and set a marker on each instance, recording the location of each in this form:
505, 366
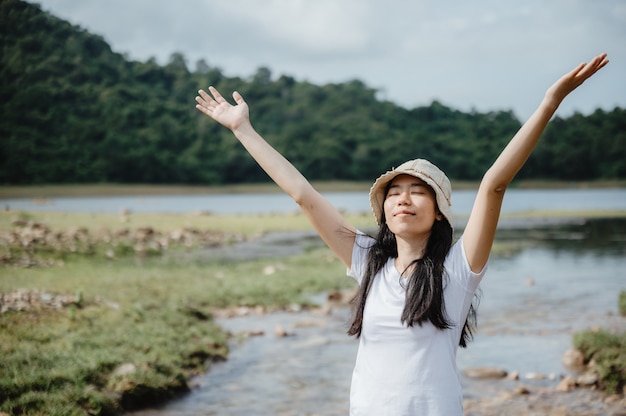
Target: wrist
243, 129
550, 103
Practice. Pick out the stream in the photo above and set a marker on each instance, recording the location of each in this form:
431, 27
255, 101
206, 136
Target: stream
558, 278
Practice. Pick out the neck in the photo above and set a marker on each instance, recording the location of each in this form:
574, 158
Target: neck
408, 252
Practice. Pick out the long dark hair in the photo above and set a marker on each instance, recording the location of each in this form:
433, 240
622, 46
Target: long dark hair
425, 285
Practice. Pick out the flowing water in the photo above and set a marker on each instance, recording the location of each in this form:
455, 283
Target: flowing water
553, 280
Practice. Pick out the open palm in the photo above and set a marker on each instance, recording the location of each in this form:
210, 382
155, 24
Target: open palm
573, 79
220, 110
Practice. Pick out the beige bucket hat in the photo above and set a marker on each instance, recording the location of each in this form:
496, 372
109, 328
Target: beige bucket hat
422, 169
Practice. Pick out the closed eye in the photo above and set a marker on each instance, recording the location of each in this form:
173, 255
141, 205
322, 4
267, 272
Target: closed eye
414, 189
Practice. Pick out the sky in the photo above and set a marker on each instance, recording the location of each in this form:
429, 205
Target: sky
481, 55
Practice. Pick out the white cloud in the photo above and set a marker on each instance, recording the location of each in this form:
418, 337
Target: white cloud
324, 27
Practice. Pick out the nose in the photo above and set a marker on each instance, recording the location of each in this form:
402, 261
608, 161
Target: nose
404, 198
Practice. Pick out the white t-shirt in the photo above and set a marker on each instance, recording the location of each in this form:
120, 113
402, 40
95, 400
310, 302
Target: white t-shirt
403, 370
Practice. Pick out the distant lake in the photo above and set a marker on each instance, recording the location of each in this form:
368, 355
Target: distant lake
516, 200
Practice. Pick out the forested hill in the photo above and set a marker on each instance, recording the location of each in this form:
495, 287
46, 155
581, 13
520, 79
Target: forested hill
74, 111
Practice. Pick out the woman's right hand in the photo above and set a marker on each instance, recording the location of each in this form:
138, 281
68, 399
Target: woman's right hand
220, 110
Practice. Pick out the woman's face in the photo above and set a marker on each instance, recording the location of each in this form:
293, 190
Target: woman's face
410, 207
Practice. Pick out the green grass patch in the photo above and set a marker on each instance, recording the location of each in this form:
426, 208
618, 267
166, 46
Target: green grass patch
250, 225
153, 314
622, 303
605, 352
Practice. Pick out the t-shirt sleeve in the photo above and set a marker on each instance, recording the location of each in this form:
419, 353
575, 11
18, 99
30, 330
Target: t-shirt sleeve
362, 243
459, 269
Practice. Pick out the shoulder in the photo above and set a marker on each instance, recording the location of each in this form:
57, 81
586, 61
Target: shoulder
363, 240
360, 251
458, 268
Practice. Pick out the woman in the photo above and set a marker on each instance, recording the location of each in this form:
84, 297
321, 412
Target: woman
416, 286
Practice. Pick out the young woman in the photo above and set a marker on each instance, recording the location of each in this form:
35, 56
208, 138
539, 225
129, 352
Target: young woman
416, 286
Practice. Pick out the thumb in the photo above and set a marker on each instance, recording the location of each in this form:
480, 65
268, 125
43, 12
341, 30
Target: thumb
238, 98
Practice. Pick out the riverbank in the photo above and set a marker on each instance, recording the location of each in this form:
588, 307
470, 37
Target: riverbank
82, 190
104, 313
123, 313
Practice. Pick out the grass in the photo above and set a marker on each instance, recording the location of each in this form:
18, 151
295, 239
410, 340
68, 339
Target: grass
251, 225
155, 316
605, 353
152, 314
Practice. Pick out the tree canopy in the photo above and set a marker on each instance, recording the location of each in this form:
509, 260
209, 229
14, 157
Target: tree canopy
74, 111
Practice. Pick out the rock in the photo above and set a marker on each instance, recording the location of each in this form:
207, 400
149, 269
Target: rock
124, 369
295, 308
341, 297
281, 332
567, 384
535, 376
484, 372
521, 391
573, 360
587, 379
269, 270
253, 333
310, 323
514, 375
614, 398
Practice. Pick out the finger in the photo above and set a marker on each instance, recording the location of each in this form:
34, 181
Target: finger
593, 66
602, 61
205, 106
201, 102
597, 62
238, 98
205, 96
216, 94
202, 109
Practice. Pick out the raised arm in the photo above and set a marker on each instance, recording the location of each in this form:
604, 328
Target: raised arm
327, 220
481, 227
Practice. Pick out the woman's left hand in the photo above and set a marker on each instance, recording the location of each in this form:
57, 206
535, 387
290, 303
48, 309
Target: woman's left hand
573, 79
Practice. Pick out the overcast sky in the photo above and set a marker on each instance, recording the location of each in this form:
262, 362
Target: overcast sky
483, 54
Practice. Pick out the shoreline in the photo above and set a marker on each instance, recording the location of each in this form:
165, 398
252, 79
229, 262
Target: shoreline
83, 190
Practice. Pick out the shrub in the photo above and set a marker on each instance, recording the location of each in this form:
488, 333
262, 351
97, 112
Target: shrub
606, 354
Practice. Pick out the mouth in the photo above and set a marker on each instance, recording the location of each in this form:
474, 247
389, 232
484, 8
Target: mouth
403, 213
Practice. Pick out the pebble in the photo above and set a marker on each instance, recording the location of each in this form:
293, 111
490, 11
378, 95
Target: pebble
567, 384
485, 372
535, 376
281, 332
513, 375
124, 369
587, 379
573, 360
